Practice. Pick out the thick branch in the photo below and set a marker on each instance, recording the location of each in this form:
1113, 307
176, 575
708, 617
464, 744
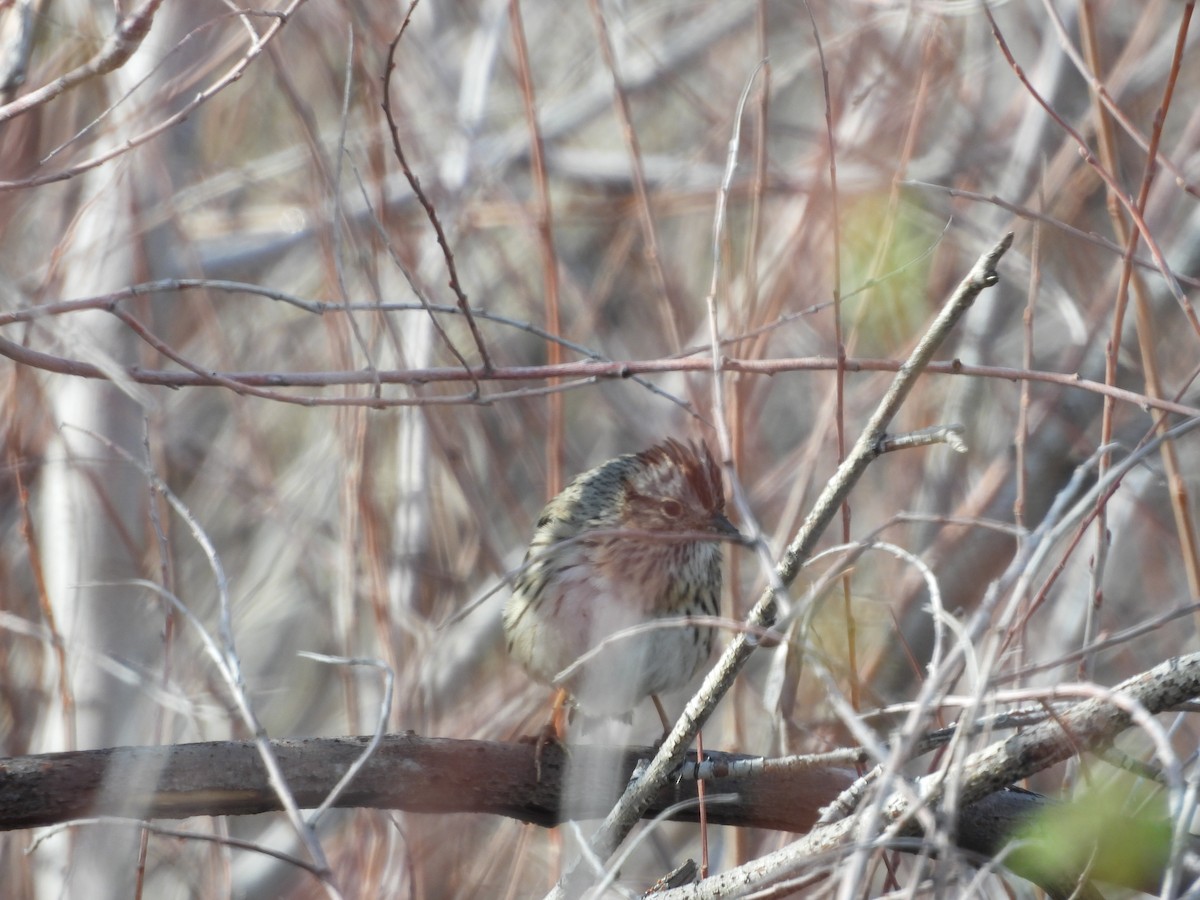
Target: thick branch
438, 775
407, 772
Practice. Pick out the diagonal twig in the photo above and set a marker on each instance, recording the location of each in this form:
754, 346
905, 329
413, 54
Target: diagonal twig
634, 801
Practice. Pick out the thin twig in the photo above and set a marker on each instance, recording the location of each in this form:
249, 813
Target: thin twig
127, 35
620, 102
430, 212
225, 657
230, 77
385, 710
589, 369
180, 833
1108, 177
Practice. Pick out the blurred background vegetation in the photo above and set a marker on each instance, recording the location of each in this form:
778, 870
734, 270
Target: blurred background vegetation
356, 517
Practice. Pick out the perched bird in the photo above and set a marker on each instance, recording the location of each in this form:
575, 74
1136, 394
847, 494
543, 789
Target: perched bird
633, 541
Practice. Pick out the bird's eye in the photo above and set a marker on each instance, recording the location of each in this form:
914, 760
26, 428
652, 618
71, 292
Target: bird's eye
672, 509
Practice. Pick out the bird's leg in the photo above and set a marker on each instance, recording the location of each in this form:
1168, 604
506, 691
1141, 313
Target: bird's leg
666, 724
662, 716
560, 715
555, 728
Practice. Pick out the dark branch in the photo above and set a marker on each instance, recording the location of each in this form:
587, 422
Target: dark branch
439, 776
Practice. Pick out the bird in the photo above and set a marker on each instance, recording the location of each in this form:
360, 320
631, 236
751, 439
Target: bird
633, 542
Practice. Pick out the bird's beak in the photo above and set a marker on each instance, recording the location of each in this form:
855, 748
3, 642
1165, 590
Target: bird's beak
723, 526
